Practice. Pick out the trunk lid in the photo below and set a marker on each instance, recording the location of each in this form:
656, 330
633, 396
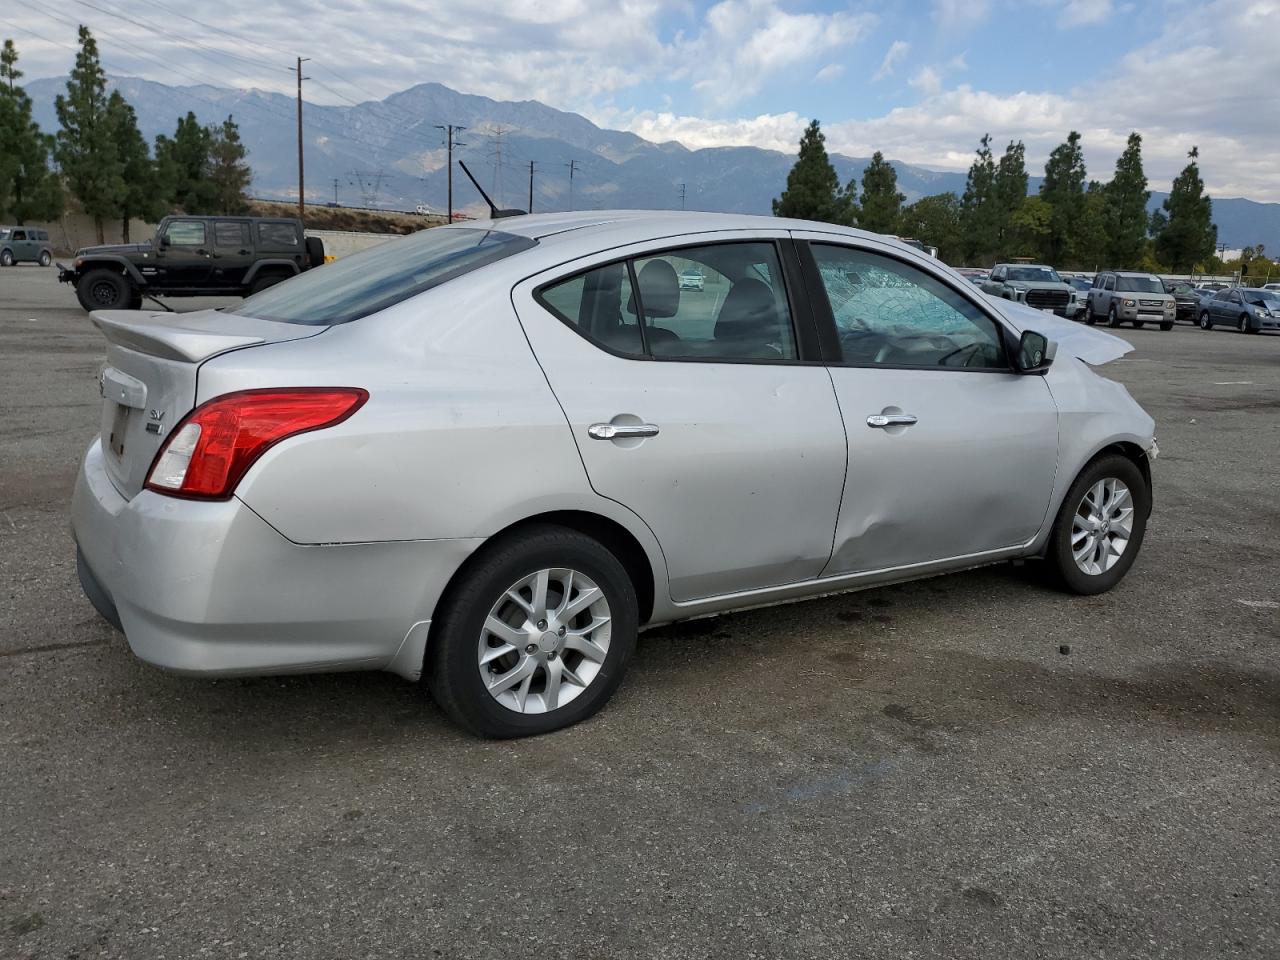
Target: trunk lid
149, 381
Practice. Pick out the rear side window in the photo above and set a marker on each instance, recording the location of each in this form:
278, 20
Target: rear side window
230, 234
382, 276
276, 235
717, 302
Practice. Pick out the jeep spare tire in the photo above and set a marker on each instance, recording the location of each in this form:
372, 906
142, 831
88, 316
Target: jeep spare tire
315, 251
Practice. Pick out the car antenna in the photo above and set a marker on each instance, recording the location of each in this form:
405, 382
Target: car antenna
494, 212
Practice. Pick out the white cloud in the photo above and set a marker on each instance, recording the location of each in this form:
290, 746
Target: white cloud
1081, 13
954, 14
770, 131
892, 57
832, 71
927, 81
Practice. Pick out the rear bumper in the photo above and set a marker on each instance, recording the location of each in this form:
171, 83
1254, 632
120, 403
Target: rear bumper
213, 589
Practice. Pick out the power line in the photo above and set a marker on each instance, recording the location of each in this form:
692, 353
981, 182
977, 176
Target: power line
573, 165
450, 129
226, 33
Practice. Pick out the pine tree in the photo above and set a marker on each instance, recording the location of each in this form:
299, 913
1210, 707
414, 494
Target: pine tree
1187, 235
881, 206
1063, 190
29, 190
978, 213
1029, 228
183, 164
140, 197
1126, 208
813, 188
229, 174
1010, 191
85, 149
935, 220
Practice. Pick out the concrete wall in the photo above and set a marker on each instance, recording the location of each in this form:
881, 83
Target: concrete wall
341, 243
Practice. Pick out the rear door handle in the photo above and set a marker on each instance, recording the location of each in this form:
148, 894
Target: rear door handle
881, 420
621, 431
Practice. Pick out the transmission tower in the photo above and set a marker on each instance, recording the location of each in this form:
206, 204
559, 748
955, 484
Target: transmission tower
370, 183
495, 156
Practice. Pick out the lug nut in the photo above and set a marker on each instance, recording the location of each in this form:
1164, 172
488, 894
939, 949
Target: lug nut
542, 624
560, 631
551, 655
531, 648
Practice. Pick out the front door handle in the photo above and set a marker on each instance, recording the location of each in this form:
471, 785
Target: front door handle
621, 431
881, 420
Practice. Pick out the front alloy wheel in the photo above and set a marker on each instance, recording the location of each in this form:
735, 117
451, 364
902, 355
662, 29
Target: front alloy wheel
1205, 322
1099, 527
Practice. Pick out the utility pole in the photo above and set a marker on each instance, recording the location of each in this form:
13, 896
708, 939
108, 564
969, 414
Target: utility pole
682, 196
302, 213
531, 186
573, 166
335, 191
449, 131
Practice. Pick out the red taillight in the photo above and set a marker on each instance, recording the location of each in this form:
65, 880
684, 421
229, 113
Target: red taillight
217, 442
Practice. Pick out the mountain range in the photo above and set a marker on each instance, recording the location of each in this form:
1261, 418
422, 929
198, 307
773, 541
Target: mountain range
390, 153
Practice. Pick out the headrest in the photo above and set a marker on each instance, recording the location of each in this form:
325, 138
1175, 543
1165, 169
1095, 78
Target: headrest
659, 290
748, 311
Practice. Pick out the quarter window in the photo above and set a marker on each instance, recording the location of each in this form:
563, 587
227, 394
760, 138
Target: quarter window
888, 313
186, 233
277, 235
599, 303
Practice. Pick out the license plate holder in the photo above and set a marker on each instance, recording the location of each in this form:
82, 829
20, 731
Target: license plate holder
119, 429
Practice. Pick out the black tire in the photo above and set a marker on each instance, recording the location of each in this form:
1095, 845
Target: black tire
104, 289
6, 258
315, 251
1245, 326
1113, 319
451, 669
45, 258
1166, 325
1139, 324
262, 283
1089, 317
1061, 565
1206, 322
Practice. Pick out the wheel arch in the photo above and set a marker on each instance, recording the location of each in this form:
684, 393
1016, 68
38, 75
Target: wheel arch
269, 267
112, 263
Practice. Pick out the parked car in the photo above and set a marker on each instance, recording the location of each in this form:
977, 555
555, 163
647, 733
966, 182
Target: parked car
192, 257
691, 279
1186, 299
24, 245
1080, 287
489, 454
1034, 284
1136, 298
1271, 286
1247, 309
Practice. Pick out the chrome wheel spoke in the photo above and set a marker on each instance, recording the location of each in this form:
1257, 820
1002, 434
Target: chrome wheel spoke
504, 631
1102, 526
585, 646
569, 674
551, 692
582, 601
495, 653
521, 671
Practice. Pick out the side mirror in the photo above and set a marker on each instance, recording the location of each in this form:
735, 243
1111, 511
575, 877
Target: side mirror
1035, 352
164, 241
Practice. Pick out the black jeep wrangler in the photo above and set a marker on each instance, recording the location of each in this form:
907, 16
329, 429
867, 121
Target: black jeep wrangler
193, 257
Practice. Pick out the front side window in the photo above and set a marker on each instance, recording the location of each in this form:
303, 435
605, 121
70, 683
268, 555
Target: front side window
186, 233
1109, 283
892, 314
718, 302
19, 234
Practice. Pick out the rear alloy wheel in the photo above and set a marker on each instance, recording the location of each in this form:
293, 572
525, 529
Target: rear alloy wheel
1205, 322
535, 637
45, 258
1100, 526
1113, 319
104, 289
6, 258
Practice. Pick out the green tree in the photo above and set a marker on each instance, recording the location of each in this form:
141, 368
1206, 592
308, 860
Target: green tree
1126, 208
1029, 228
1187, 234
29, 190
978, 212
1009, 192
85, 148
229, 173
140, 197
935, 220
1093, 232
183, 163
813, 188
1063, 190
881, 206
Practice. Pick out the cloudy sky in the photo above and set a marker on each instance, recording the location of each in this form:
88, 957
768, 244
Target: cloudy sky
920, 80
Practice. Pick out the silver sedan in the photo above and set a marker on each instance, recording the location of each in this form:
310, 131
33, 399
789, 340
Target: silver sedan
489, 454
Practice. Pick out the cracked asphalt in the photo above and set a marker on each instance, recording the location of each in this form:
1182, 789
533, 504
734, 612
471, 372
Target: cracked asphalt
914, 771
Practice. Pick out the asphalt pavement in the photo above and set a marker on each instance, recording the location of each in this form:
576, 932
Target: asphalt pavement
915, 771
